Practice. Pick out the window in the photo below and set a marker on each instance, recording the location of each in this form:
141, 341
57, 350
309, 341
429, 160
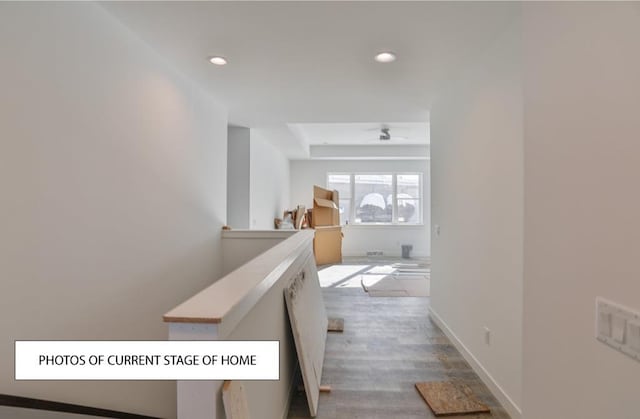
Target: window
342, 183
378, 198
408, 198
373, 198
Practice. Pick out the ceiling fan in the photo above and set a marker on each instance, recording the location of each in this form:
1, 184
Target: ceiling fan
384, 134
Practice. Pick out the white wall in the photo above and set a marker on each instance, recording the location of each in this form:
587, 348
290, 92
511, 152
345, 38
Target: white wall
477, 200
360, 239
269, 189
112, 172
238, 178
582, 228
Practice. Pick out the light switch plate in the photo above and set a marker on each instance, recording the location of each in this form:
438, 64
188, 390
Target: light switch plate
618, 327
604, 324
633, 335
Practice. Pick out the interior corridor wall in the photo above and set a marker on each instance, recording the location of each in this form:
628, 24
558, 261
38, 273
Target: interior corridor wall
113, 180
238, 176
582, 225
477, 204
269, 182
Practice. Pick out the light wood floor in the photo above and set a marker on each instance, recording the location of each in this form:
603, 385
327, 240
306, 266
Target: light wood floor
388, 345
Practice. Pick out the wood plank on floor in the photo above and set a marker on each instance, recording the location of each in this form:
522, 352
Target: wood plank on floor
234, 400
336, 324
446, 398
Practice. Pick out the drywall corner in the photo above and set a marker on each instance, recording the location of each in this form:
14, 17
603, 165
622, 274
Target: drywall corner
238, 176
269, 182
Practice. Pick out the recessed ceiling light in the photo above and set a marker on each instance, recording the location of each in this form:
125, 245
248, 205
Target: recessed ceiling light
217, 60
385, 57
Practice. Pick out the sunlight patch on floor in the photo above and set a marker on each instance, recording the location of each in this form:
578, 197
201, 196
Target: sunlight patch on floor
341, 276
381, 269
353, 275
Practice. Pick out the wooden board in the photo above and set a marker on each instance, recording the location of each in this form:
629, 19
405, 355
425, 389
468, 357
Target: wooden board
234, 400
309, 325
336, 324
300, 212
450, 398
414, 270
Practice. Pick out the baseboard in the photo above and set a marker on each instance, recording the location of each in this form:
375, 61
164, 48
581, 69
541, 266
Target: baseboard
504, 399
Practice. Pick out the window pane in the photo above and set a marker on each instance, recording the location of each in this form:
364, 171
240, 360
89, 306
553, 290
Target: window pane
345, 210
341, 183
409, 186
371, 198
409, 211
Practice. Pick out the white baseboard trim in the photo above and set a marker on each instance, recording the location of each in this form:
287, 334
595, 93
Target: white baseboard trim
504, 399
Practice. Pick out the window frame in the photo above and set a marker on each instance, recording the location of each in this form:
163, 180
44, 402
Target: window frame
351, 191
394, 201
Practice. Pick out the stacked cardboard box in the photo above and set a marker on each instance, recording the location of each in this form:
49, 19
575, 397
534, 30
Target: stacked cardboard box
325, 219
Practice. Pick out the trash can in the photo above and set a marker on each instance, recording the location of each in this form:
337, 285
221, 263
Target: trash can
406, 250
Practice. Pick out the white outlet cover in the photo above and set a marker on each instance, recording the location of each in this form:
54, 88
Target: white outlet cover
487, 335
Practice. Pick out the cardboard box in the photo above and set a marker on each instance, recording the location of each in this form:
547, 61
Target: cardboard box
327, 245
325, 207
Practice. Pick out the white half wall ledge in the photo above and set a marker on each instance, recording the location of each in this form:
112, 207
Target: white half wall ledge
247, 304
240, 246
227, 301
257, 234
505, 400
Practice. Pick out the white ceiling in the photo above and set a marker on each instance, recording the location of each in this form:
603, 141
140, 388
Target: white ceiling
312, 62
